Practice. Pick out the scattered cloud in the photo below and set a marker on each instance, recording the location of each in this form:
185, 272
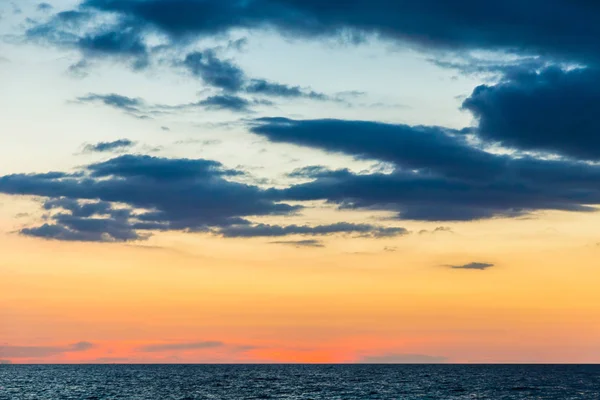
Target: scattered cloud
128, 197
439, 229
132, 106
263, 230
301, 243
181, 346
43, 351
231, 79
473, 266
153, 194
215, 72
226, 102
107, 147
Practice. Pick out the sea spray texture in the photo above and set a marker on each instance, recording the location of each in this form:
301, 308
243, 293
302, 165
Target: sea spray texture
331, 382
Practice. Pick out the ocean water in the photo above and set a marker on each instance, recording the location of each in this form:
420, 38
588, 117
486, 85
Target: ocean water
162, 382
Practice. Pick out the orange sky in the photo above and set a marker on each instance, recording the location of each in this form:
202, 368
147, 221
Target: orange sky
197, 298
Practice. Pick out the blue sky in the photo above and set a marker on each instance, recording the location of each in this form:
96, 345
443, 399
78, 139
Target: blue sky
424, 114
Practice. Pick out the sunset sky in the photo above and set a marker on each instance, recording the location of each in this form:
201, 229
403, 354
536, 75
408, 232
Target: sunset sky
290, 181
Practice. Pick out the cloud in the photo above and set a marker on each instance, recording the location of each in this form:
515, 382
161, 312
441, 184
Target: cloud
43, 351
434, 148
215, 72
226, 102
105, 147
227, 76
263, 230
125, 44
402, 359
551, 110
509, 25
5, 362
128, 197
264, 87
79, 70
439, 229
79, 29
301, 243
438, 175
134, 106
154, 194
87, 31
156, 348
473, 266
138, 108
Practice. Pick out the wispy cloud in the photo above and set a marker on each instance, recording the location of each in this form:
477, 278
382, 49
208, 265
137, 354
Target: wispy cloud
301, 243
156, 348
42, 351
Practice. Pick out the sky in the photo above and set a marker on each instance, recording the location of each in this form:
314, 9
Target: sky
298, 181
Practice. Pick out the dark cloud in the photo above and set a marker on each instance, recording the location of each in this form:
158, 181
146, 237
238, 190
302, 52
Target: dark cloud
226, 102
429, 148
71, 30
301, 243
42, 351
131, 105
263, 230
509, 25
105, 147
264, 87
215, 72
126, 41
227, 76
128, 197
140, 109
181, 346
156, 194
127, 44
402, 359
438, 175
551, 110
473, 266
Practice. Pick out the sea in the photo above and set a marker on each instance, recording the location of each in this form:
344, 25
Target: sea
236, 382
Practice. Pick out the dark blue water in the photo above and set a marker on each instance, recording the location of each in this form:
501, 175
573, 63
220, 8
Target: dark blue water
161, 382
